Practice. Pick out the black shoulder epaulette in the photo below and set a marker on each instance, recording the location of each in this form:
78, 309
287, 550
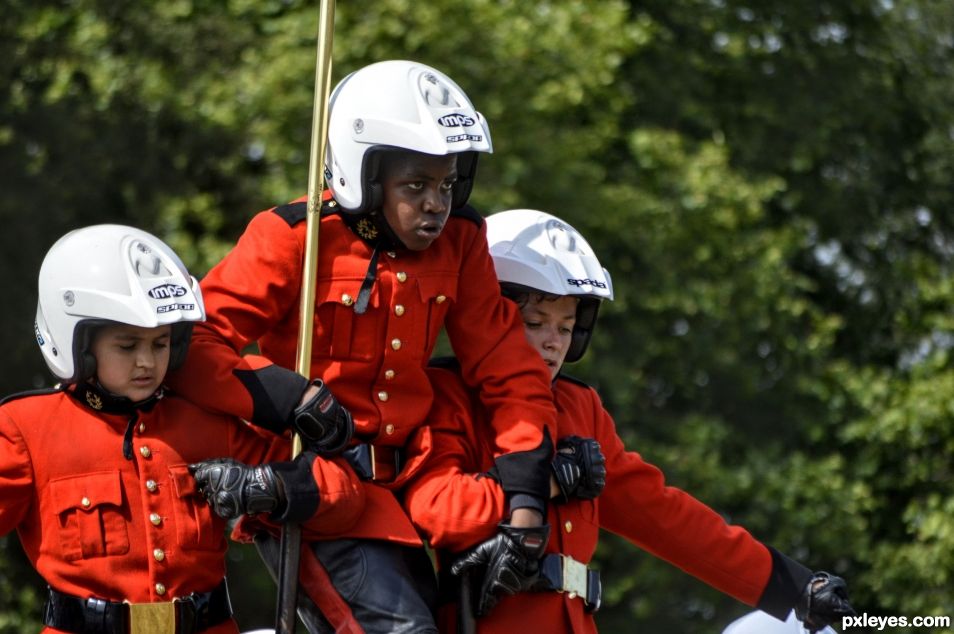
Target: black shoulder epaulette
444, 363
293, 213
573, 379
469, 213
41, 392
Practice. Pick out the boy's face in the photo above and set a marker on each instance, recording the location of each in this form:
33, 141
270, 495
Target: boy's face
131, 361
417, 195
548, 324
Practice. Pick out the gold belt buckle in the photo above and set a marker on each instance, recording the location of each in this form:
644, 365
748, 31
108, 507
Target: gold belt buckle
152, 618
574, 577
374, 464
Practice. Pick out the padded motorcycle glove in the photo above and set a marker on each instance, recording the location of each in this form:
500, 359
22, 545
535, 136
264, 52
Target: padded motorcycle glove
233, 488
579, 468
324, 424
509, 562
823, 602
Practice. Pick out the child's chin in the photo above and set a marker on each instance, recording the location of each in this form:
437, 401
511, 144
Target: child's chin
138, 394
420, 240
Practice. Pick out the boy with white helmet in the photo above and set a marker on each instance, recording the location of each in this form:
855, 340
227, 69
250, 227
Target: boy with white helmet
400, 258
549, 270
94, 474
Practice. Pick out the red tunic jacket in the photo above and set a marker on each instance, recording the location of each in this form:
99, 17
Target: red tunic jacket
456, 507
373, 362
95, 524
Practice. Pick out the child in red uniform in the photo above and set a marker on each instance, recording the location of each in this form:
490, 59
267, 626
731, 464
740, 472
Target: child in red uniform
400, 258
551, 273
94, 473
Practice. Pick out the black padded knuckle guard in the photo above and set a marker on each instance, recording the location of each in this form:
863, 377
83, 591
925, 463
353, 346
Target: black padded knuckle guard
323, 423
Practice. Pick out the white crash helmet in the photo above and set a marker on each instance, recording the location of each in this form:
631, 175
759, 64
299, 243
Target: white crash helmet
536, 251
398, 105
110, 274
761, 623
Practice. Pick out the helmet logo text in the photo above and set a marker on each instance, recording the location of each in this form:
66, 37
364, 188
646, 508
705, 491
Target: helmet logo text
585, 282
465, 137
167, 291
454, 120
170, 307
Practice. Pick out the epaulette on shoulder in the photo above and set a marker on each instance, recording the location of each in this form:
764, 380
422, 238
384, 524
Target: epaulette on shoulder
573, 380
444, 363
41, 392
468, 213
293, 213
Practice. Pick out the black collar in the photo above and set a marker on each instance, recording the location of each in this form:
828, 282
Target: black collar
97, 398
373, 229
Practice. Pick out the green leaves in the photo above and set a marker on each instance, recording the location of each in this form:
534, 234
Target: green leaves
768, 185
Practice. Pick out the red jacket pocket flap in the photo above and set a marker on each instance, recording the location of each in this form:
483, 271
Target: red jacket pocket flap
437, 288
86, 491
182, 481
344, 292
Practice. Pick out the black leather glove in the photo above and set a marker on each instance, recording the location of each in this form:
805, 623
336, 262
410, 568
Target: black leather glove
579, 468
823, 602
510, 562
323, 423
234, 488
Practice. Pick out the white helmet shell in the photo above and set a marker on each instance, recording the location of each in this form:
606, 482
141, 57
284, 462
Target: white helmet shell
110, 273
538, 251
404, 105
761, 623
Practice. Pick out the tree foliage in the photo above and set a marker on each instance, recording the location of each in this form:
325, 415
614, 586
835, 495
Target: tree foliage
768, 184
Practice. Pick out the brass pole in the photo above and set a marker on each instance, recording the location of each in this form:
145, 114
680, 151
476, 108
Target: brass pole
291, 533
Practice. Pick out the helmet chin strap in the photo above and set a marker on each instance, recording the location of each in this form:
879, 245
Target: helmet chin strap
388, 239
364, 295
374, 229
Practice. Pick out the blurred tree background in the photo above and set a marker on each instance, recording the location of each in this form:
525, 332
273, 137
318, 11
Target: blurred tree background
768, 182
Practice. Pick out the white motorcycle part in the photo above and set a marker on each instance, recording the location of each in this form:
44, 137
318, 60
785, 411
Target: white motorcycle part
761, 623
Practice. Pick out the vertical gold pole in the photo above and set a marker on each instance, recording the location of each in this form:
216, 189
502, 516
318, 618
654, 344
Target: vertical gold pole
291, 533
319, 139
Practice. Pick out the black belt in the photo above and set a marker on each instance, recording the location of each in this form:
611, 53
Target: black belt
184, 615
375, 462
562, 573
558, 573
